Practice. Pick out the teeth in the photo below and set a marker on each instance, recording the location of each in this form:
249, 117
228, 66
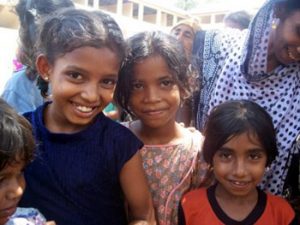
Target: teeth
239, 183
84, 109
291, 54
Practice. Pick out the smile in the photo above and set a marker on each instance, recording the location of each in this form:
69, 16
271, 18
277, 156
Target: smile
84, 109
239, 184
291, 55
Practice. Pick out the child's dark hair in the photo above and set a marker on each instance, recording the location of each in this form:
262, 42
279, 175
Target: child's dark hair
144, 45
29, 13
69, 29
233, 118
16, 140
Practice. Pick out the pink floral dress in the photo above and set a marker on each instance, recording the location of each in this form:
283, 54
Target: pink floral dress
172, 170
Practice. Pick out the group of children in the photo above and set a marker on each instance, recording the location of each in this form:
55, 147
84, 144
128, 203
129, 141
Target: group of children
89, 169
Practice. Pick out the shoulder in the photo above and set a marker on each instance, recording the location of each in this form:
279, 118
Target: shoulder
192, 134
279, 207
120, 136
17, 81
195, 202
35, 113
118, 130
195, 195
278, 202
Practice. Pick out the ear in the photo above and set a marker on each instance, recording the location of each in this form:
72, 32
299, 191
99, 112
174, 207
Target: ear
43, 67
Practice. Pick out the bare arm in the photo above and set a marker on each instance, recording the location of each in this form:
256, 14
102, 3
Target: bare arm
135, 188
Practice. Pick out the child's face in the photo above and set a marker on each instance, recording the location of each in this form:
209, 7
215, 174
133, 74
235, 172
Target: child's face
83, 82
155, 96
12, 185
239, 165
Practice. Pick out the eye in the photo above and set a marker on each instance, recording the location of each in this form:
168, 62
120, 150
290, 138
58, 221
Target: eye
75, 75
188, 35
108, 83
255, 155
167, 83
176, 32
224, 155
137, 86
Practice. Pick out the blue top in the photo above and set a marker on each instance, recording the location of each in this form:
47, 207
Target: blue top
74, 179
21, 93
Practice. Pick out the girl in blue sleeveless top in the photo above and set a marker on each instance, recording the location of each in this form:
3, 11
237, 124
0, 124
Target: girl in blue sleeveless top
87, 166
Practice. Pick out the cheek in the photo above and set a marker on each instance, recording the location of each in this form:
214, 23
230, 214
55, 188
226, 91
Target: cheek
132, 104
22, 182
220, 169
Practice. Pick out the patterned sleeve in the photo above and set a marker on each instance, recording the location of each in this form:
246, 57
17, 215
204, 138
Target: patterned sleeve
27, 216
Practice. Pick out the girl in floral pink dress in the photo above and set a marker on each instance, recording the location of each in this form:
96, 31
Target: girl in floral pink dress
152, 85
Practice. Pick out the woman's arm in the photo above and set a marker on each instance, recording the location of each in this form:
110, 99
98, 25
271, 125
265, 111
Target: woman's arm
135, 188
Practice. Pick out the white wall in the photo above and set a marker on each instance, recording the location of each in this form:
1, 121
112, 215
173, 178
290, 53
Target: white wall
8, 46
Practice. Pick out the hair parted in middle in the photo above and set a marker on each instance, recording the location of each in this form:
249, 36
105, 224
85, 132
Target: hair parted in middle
70, 29
142, 46
233, 118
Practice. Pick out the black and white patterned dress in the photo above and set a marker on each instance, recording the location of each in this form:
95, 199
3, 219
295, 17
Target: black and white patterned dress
233, 65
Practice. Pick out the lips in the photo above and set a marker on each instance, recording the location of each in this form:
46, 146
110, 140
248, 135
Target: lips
153, 112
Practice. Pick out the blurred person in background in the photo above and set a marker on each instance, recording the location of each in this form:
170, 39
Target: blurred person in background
185, 31
21, 91
238, 20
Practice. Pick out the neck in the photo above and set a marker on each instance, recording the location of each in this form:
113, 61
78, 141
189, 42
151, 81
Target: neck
236, 207
158, 136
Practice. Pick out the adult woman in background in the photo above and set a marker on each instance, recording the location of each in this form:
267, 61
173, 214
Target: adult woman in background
185, 31
262, 65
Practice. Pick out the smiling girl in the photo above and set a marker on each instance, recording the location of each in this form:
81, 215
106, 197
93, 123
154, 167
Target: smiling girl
87, 165
152, 85
239, 145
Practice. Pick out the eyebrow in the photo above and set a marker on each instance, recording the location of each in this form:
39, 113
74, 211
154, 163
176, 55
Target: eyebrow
257, 149
79, 69
76, 68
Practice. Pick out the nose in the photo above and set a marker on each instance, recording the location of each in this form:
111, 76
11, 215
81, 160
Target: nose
91, 93
179, 36
240, 168
16, 188
151, 95
298, 49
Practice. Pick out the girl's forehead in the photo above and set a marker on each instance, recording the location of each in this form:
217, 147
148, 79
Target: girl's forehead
246, 136
151, 67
